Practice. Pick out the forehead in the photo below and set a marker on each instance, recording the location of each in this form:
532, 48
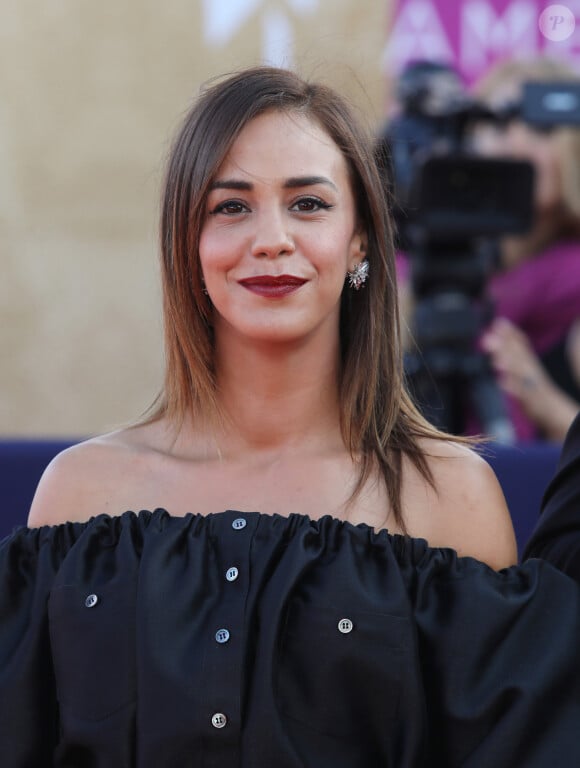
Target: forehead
283, 144
506, 91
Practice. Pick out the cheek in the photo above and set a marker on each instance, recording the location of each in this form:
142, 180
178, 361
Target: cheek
489, 141
528, 145
205, 248
548, 180
214, 254
335, 253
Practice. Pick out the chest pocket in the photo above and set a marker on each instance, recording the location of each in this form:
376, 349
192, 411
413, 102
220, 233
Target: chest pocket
340, 671
92, 634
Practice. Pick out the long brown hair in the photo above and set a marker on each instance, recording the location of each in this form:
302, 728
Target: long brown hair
379, 422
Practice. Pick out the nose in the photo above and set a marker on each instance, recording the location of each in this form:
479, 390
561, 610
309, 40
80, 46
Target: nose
272, 237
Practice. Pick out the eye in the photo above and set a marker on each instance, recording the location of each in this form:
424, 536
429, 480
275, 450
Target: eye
230, 208
310, 204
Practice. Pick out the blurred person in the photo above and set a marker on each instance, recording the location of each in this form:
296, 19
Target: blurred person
216, 585
556, 537
523, 376
536, 290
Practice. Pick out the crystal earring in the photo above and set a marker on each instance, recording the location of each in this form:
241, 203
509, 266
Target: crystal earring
357, 276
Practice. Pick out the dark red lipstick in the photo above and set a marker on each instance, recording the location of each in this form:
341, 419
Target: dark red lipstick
273, 286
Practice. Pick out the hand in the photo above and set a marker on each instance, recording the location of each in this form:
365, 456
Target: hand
522, 375
519, 370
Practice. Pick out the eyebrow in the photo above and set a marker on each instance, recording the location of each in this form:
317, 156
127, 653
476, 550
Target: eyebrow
292, 183
307, 181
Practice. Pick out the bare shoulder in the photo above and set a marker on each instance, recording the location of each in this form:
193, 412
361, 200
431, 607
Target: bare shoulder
89, 478
466, 510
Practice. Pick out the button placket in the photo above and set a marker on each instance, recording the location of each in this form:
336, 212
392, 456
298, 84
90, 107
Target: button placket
225, 653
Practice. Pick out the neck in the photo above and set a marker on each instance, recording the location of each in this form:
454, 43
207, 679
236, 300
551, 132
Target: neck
278, 398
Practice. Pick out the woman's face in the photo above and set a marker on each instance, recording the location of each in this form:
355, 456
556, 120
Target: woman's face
519, 141
280, 232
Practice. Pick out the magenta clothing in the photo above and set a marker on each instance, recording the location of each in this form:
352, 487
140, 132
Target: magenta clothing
542, 295
402, 267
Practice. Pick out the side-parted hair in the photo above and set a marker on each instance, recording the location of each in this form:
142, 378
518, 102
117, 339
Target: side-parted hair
378, 419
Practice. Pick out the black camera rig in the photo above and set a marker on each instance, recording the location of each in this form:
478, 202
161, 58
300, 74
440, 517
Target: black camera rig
451, 206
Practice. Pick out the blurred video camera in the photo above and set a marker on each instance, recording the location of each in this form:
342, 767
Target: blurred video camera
450, 208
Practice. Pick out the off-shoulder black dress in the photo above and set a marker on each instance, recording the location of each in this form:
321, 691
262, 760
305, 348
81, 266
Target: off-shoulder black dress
259, 641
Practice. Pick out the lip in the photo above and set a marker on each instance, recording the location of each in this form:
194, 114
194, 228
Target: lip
273, 286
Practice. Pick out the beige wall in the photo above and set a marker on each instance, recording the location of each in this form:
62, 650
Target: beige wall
91, 93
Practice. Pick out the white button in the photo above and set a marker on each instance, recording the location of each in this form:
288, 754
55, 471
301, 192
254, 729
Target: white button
239, 523
222, 635
232, 574
345, 626
218, 720
91, 601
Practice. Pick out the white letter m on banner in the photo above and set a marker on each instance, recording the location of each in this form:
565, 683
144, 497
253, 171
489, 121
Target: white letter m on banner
485, 34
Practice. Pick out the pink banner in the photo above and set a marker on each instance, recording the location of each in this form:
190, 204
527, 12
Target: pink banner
473, 34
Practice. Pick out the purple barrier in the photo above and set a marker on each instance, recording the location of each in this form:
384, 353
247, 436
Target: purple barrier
22, 463
524, 472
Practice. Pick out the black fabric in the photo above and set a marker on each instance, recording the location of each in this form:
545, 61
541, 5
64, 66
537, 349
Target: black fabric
556, 537
448, 663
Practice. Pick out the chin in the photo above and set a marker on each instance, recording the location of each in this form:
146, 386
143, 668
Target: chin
278, 327
273, 335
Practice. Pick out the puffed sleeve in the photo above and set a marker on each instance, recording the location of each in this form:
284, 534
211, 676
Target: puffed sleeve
500, 660
556, 537
29, 559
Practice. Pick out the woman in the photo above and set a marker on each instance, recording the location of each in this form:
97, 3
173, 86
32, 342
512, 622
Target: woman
267, 617
283, 387
532, 345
